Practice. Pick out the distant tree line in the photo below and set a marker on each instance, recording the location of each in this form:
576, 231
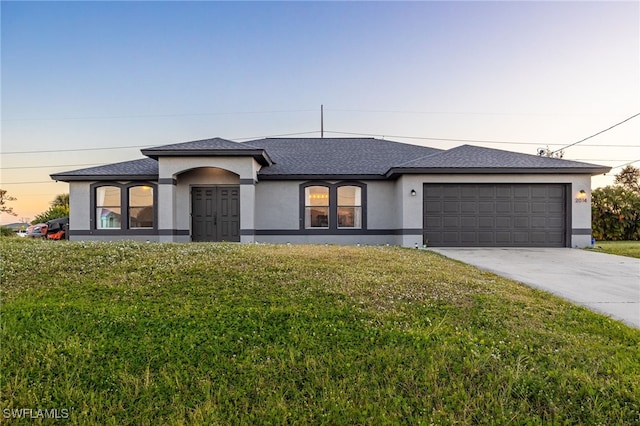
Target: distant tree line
615, 209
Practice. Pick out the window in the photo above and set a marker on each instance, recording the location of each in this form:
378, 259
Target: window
349, 207
333, 206
108, 208
141, 207
316, 207
124, 207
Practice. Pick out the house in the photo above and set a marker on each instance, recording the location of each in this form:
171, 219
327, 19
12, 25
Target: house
334, 190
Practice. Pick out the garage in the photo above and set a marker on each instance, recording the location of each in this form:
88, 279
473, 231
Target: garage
495, 215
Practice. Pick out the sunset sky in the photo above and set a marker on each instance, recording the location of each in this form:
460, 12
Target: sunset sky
88, 83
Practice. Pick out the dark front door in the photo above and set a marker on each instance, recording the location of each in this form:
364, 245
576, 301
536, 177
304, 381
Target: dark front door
215, 213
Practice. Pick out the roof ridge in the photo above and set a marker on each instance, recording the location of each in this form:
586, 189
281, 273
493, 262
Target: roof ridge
421, 158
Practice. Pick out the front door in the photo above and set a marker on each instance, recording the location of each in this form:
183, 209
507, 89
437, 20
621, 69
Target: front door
215, 213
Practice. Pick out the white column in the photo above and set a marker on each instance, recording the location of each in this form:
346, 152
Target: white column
247, 210
166, 210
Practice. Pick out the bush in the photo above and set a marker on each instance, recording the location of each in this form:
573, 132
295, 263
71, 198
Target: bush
615, 213
54, 212
5, 231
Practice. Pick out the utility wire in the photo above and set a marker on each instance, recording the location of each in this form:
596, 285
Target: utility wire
75, 149
625, 164
596, 134
109, 117
48, 166
466, 140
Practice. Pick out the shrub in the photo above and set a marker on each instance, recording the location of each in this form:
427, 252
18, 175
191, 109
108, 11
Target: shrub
615, 213
5, 231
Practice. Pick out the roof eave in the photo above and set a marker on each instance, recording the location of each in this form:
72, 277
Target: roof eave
260, 155
321, 177
92, 178
397, 171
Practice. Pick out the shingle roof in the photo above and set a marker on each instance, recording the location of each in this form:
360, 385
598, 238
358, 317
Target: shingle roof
474, 158
142, 169
335, 156
210, 147
303, 158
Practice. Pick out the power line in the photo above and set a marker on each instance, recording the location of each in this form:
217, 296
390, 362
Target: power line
75, 149
466, 140
138, 146
47, 166
625, 164
596, 134
196, 114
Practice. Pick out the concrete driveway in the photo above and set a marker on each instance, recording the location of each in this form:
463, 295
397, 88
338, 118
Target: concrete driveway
602, 282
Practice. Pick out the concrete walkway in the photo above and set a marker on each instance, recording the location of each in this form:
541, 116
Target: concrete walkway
602, 282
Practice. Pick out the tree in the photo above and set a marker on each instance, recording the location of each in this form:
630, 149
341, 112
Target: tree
59, 208
4, 198
615, 209
54, 212
629, 177
61, 200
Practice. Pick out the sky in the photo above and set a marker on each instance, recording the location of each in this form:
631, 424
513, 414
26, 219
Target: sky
90, 83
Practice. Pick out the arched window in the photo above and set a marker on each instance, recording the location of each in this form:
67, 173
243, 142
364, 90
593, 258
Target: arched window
316, 206
108, 207
349, 207
141, 213
336, 207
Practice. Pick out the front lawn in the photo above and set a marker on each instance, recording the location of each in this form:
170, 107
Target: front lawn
621, 248
127, 333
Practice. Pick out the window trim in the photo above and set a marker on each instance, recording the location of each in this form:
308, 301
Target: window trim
333, 208
124, 207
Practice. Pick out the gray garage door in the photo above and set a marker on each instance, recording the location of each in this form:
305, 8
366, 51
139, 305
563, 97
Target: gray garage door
495, 215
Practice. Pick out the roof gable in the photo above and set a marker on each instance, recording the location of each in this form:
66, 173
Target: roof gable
472, 159
335, 157
214, 147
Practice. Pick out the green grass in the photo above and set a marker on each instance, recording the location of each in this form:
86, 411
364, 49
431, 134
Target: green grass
621, 248
145, 334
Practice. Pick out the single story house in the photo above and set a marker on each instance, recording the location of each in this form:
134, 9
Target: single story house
337, 191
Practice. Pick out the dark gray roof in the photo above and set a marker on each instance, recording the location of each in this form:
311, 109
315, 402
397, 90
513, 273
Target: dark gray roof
329, 157
339, 158
474, 159
209, 147
142, 169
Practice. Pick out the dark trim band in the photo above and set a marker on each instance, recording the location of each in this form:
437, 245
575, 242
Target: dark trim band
581, 231
167, 181
333, 232
247, 182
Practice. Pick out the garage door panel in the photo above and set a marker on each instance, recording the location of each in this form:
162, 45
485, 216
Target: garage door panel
539, 222
433, 207
469, 222
538, 207
495, 214
503, 191
556, 192
487, 222
521, 192
451, 222
503, 222
469, 207
503, 206
451, 207
486, 207
486, 192
521, 207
